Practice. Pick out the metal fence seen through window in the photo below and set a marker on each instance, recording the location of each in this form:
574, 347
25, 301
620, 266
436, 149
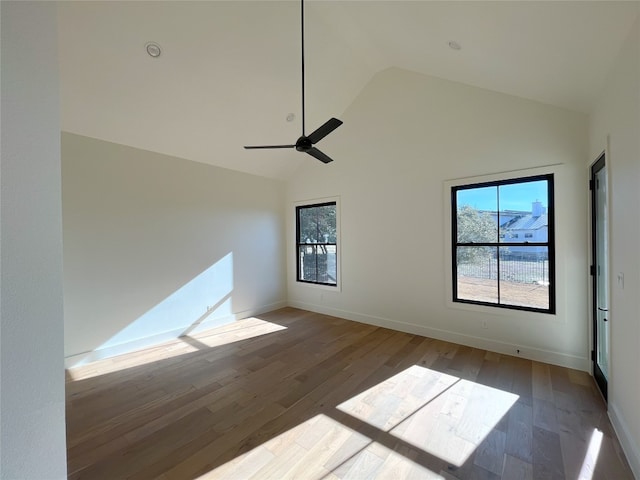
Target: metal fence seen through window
517, 271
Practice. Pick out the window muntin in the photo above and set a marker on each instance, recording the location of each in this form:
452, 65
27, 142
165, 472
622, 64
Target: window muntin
502, 243
316, 244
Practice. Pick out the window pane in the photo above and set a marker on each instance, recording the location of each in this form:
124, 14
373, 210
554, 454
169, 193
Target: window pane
481, 198
330, 272
317, 224
307, 263
476, 226
326, 218
318, 263
476, 214
523, 212
477, 276
307, 225
524, 276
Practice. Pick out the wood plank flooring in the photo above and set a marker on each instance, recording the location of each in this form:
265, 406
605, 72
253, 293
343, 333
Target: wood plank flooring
298, 395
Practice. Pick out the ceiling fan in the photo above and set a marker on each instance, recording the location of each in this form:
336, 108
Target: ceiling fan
306, 142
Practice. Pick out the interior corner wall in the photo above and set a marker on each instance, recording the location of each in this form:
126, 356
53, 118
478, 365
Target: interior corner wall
402, 138
32, 402
157, 246
615, 126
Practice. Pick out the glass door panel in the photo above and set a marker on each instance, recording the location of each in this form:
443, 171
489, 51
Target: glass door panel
600, 274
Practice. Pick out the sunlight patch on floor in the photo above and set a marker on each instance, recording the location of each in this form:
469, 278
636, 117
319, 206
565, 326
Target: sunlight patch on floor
591, 457
381, 432
321, 448
438, 413
236, 331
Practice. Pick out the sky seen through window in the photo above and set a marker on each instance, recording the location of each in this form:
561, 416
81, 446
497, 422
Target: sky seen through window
518, 196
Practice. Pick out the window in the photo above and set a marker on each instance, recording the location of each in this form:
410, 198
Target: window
494, 262
316, 244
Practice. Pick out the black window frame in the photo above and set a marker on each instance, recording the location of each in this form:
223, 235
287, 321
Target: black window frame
550, 243
299, 243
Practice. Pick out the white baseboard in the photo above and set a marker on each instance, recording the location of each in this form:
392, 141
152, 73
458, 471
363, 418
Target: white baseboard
83, 358
629, 446
530, 353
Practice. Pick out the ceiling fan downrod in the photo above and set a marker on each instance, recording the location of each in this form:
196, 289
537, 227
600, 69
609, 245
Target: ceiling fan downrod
306, 143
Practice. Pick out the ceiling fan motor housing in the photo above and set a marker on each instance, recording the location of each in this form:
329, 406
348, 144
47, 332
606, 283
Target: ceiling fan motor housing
303, 144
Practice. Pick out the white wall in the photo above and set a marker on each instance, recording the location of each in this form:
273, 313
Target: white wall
32, 425
617, 117
156, 245
403, 137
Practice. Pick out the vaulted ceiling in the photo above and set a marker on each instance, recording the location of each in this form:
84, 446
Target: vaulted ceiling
229, 72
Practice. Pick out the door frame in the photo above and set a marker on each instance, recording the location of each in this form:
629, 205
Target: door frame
600, 378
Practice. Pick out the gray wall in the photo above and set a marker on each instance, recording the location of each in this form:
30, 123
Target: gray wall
32, 372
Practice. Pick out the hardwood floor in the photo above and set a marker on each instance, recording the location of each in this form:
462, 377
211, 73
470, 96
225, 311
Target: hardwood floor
298, 395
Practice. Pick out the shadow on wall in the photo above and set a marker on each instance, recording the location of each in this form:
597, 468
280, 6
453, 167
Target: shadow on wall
203, 302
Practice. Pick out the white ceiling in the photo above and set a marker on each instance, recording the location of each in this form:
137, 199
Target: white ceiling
229, 72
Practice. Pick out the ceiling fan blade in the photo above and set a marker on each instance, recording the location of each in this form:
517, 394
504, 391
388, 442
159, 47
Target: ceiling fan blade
324, 130
253, 147
314, 152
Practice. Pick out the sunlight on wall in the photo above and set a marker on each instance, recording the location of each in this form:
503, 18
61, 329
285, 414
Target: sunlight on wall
205, 295
591, 457
441, 414
202, 303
